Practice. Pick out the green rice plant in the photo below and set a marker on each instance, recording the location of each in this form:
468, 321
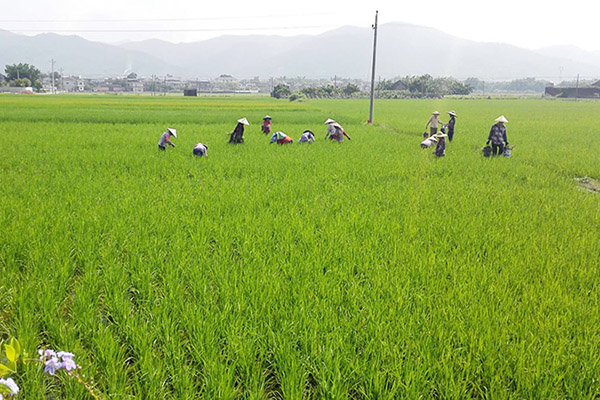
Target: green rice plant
367, 269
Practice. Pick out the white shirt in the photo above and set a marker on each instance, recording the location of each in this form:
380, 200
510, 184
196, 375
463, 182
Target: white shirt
429, 142
434, 121
307, 137
201, 147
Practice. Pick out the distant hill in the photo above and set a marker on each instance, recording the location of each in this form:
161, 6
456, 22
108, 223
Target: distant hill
76, 55
403, 49
572, 53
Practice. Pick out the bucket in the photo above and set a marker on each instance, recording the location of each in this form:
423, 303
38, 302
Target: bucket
507, 151
487, 151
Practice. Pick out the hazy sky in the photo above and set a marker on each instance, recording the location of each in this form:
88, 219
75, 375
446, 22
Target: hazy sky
525, 23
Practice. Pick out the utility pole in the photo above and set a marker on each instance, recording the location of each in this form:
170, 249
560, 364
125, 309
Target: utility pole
483, 88
370, 121
165, 86
335, 81
52, 62
577, 88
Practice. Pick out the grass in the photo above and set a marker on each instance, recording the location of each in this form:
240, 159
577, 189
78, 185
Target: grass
363, 270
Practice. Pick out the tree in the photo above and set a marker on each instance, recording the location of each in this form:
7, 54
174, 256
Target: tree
22, 71
474, 83
350, 88
23, 82
385, 85
461, 88
281, 91
132, 75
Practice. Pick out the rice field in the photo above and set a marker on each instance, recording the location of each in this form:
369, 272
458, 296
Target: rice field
366, 270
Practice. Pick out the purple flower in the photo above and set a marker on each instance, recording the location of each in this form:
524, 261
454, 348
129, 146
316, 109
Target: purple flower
63, 354
54, 361
47, 353
11, 385
68, 364
51, 365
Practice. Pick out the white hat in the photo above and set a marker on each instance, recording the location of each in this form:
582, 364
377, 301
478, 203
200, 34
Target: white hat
329, 121
267, 117
501, 118
243, 121
453, 113
440, 134
173, 132
436, 113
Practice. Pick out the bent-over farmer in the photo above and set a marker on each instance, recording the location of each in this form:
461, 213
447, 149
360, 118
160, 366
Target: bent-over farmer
307, 137
237, 136
201, 150
165, 138
335, 131
281, 138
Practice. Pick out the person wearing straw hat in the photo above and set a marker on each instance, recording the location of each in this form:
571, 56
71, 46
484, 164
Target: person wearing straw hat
498, 136
450, 124
281, 138
433, 123
429, 142
201, 150
440, 149
237, 136
335, 131
266, 126
165, 138
307, 137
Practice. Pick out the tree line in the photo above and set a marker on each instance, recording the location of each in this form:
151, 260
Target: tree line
22, 75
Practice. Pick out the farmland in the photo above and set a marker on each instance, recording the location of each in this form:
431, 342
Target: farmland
364, 270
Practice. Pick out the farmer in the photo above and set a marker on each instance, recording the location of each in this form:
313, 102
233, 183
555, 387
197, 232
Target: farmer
165, 138
335, 131
440, 149
237, 136
429, 142
451, 124
200, 149
307, 137
498, 136
281, 138
266, 126
433, 123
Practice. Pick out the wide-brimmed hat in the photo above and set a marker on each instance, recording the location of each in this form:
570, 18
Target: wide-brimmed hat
243, 121
267, 117
329, 121
439, 135
436, 113
172, 132
453, 113
501, 118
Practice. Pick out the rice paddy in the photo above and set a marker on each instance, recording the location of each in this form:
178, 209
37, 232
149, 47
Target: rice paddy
366, 270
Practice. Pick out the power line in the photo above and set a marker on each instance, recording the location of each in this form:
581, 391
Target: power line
167, 19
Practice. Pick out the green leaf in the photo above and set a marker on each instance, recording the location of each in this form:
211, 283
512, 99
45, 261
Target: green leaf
16, 345
11, 353
4, 370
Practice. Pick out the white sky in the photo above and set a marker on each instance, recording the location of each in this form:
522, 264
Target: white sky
525, 23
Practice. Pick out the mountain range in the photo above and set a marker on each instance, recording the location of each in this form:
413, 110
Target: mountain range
402, 49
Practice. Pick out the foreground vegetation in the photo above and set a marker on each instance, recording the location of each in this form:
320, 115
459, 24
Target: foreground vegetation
363, 270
